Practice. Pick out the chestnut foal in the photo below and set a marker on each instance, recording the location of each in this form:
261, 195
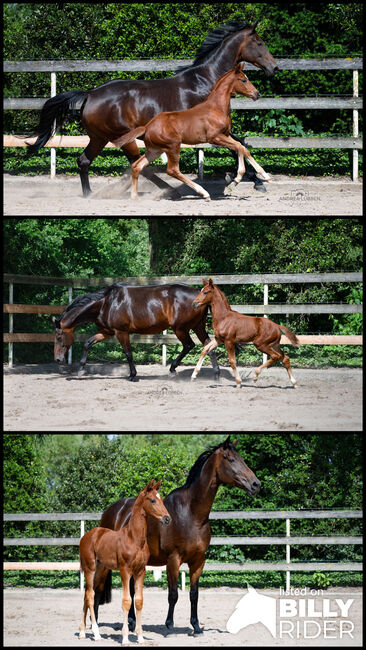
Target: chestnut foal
230, 327
206, 122
102, 549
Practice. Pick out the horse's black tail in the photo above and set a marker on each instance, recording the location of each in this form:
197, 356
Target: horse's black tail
106, 594
55, 109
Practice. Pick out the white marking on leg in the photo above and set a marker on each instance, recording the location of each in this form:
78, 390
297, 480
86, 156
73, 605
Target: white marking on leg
95, 629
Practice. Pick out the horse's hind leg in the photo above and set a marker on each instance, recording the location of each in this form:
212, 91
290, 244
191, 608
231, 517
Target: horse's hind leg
276, 354
138, 166
95, 146
188, 345
287, 364
173, 170
89, 604
124, 340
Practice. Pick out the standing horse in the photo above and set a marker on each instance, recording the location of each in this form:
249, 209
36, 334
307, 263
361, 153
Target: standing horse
188, 536
102, 549
206, 122
116, 107
121, 310
230, 328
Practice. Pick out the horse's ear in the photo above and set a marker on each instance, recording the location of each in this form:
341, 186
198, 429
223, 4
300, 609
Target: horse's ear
56, 323
150, 485
227, 442
157, 486
235, 442
204, 282
254, 27
210, 282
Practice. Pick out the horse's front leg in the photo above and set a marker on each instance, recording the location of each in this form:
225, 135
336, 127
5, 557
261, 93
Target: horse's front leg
126, 601
208, 348
100, 336
124, 340
139, 581
195, 571
172, 570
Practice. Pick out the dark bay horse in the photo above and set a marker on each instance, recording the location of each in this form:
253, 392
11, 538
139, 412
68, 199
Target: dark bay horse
121, 310
188, 536
102, 549
230, 327
118, 106
208, 121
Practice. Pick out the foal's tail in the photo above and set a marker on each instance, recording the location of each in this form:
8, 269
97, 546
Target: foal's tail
53, 115
129, 137
290, 335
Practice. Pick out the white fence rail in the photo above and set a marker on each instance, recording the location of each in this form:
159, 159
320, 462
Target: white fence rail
281, 540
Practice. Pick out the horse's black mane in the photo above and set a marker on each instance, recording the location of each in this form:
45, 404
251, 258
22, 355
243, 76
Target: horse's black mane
213, 40
196, 469
86, 298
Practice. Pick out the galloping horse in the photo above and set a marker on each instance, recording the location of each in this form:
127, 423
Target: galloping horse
206, 122
231, 328
102, 549
116, 107
188, 536
121, 310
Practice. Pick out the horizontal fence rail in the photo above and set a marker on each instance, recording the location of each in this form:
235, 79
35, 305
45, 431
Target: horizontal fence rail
353, 103
286, 540
166, 339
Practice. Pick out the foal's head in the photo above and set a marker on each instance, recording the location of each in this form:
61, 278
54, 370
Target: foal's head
63, 340
206, 294
152, 502
242, 85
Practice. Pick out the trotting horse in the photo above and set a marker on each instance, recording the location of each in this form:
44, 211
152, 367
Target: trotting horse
231, 328
102, 549
121, 310
208, 121
188, 536
118, 106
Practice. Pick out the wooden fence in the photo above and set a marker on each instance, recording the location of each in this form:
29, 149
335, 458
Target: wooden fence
353, 102
281, 540
165, 339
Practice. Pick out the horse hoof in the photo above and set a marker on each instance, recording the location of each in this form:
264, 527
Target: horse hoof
134, 379
260, 188
82, 372
207, 198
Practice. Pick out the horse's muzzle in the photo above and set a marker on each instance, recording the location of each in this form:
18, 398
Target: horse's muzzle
195, 305
165, 520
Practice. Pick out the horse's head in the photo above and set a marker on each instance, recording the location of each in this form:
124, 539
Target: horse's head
205, 295
232, 470
253, 50
153, 504
63, 340
242, 85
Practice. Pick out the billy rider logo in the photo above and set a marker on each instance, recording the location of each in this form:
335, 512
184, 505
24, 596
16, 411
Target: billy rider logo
296, 618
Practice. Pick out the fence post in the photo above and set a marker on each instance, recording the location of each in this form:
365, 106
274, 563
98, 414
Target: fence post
82, 531
53, 150
11, 329
69, 354
265, 302
355, 128
288, 555
201, 158
183, 574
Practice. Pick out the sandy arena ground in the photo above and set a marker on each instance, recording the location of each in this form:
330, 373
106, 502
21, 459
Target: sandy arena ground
285, 196
51, 617
39, 398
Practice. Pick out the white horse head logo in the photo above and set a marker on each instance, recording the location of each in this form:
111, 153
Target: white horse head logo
253, 608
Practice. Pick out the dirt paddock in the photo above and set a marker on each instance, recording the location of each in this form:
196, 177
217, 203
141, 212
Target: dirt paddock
51, 617
44, 397
285, 196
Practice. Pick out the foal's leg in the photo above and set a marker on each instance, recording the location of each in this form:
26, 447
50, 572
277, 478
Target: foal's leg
138, 166
208, 348
276, 354
231, 354
173, 170
139, 581
126, 601
100, 336
227, 141
89, 604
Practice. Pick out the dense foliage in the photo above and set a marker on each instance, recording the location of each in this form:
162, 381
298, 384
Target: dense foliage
118, 248
66, 31
86, 473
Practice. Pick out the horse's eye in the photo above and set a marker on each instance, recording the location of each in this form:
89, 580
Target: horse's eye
153, 500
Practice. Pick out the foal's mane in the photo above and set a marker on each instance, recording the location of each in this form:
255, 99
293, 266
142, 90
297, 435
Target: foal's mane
195, 471
224, 298
213, 41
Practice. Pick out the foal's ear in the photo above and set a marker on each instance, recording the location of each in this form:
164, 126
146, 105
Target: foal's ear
157, 486
150, 485
210, 282
204, 282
